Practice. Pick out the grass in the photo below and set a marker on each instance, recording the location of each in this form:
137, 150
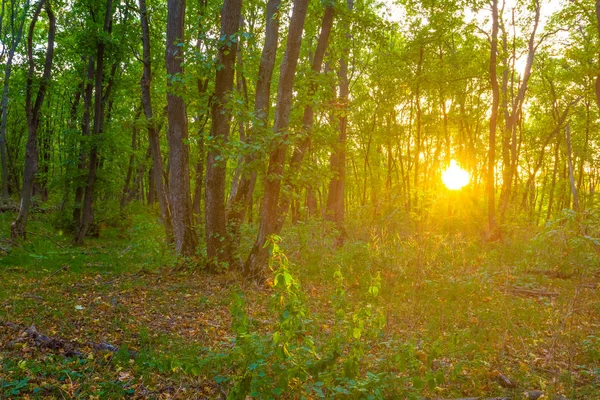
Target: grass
460, 314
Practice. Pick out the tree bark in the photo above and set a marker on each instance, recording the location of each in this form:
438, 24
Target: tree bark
15, 41
32, 111
335, 199
512, 120
570, 164
85, 132
153, 132
490, 179
99, 103
307, 118
268, 221
241, 196
217, 248
179, 176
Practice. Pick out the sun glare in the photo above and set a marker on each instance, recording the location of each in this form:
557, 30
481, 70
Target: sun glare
455, 177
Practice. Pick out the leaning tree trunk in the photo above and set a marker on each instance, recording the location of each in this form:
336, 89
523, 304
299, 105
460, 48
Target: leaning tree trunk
99, 102
268, 219
216, 163
32, 110
153, 138
7, 72
179, 175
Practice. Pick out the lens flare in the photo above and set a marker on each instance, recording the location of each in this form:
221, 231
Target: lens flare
455, 177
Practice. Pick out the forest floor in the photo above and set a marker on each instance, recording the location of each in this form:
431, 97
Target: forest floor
462, 317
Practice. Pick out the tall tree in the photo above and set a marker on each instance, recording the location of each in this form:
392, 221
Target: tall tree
308, 117
32, 111
335, 198
179, 176
491, 164
87, 211
216, 163
153, 137
16, 28
268, 216
241, 196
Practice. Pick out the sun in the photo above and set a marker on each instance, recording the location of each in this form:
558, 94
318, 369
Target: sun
455, 177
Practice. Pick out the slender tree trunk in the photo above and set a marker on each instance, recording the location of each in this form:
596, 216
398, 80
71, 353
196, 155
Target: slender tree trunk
307, 118
570, 164
514, 117
553, 183
127, 188
32, 110
335, 199
217, 248
85, 132
153, 132
268, 221
87, 215
241, 197
491, 167
16, 40
179, 176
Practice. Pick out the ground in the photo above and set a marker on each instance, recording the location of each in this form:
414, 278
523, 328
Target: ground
390, 315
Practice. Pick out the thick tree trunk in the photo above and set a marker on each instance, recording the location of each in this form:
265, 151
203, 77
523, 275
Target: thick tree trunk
241, 197
153, 137
179, 175
268, 221
99, 103
216, 164
32, 110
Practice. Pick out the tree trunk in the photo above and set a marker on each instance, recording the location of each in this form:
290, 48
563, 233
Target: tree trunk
241, 198
179, 176
335, 199
99, 102
490, 184
570, 164
15, 41
32, 111
153, 132
85, 132
217, 248
307, 118
268, 221
514, 117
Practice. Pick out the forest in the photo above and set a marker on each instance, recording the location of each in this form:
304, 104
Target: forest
300, 199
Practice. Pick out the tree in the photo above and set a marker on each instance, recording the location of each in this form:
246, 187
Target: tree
33, 105
268, 215
179, 177
100, 100
16, 29
216, 163
153, 137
